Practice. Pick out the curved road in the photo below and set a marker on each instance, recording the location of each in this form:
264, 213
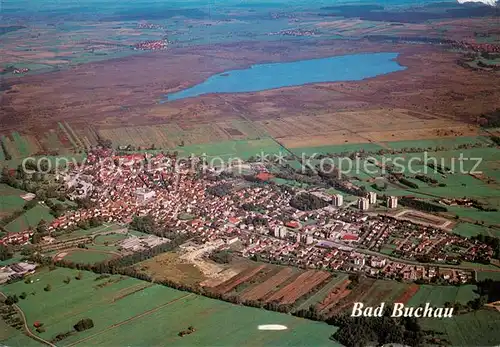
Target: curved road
26, 327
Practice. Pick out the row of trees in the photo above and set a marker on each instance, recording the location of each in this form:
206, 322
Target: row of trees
407, 182
421, 205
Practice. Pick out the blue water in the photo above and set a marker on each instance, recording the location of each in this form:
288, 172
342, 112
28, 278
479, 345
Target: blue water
277, 75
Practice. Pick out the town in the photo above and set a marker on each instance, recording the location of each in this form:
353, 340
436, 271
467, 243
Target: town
305, 228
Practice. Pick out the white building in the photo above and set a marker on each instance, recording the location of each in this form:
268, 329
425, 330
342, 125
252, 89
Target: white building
280, 232
363, 204
337, 200
144, 195
309, 239
283, 232
392, 202
372, 197
360, 261
277, 232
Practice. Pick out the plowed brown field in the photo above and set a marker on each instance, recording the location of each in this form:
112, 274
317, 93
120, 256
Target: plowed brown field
302, 285
263, 288
407, 295
235, 281
334, 296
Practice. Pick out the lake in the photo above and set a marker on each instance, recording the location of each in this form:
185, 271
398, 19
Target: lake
260, 77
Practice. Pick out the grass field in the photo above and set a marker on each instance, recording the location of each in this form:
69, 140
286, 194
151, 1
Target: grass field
15, 338
109, 239
482, 275
479, 328
127, 311
243, 149
470, 230
438, 295
10, 199
450, 142
29, 219
63, 158
369, 147
84, 256
83, 232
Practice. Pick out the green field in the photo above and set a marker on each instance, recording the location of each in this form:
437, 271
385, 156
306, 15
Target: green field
86, 232
15, 338
29, 219
470, 230
450, 142
384, 291
10, 199
483, 275
126, 314
479, 328
225, 150
77, 157
91, 256
439, 295
351, 147
109, 239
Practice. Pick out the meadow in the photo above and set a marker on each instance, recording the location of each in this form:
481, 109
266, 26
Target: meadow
478, 328
11, 200
439, 295
133, 312
15, 338
29, 219
91, 256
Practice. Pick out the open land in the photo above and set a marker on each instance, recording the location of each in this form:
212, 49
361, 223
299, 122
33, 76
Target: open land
67, 84
121, 314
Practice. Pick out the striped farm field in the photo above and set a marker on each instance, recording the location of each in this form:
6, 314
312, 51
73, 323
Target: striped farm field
384, 291
127, 311
259, 291
323, 292
9, 147
335, 294
72, 133
408, 294
302, 285
21, 144
240, 278
67, 135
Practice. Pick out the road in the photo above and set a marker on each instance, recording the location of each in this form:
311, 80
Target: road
26, 327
